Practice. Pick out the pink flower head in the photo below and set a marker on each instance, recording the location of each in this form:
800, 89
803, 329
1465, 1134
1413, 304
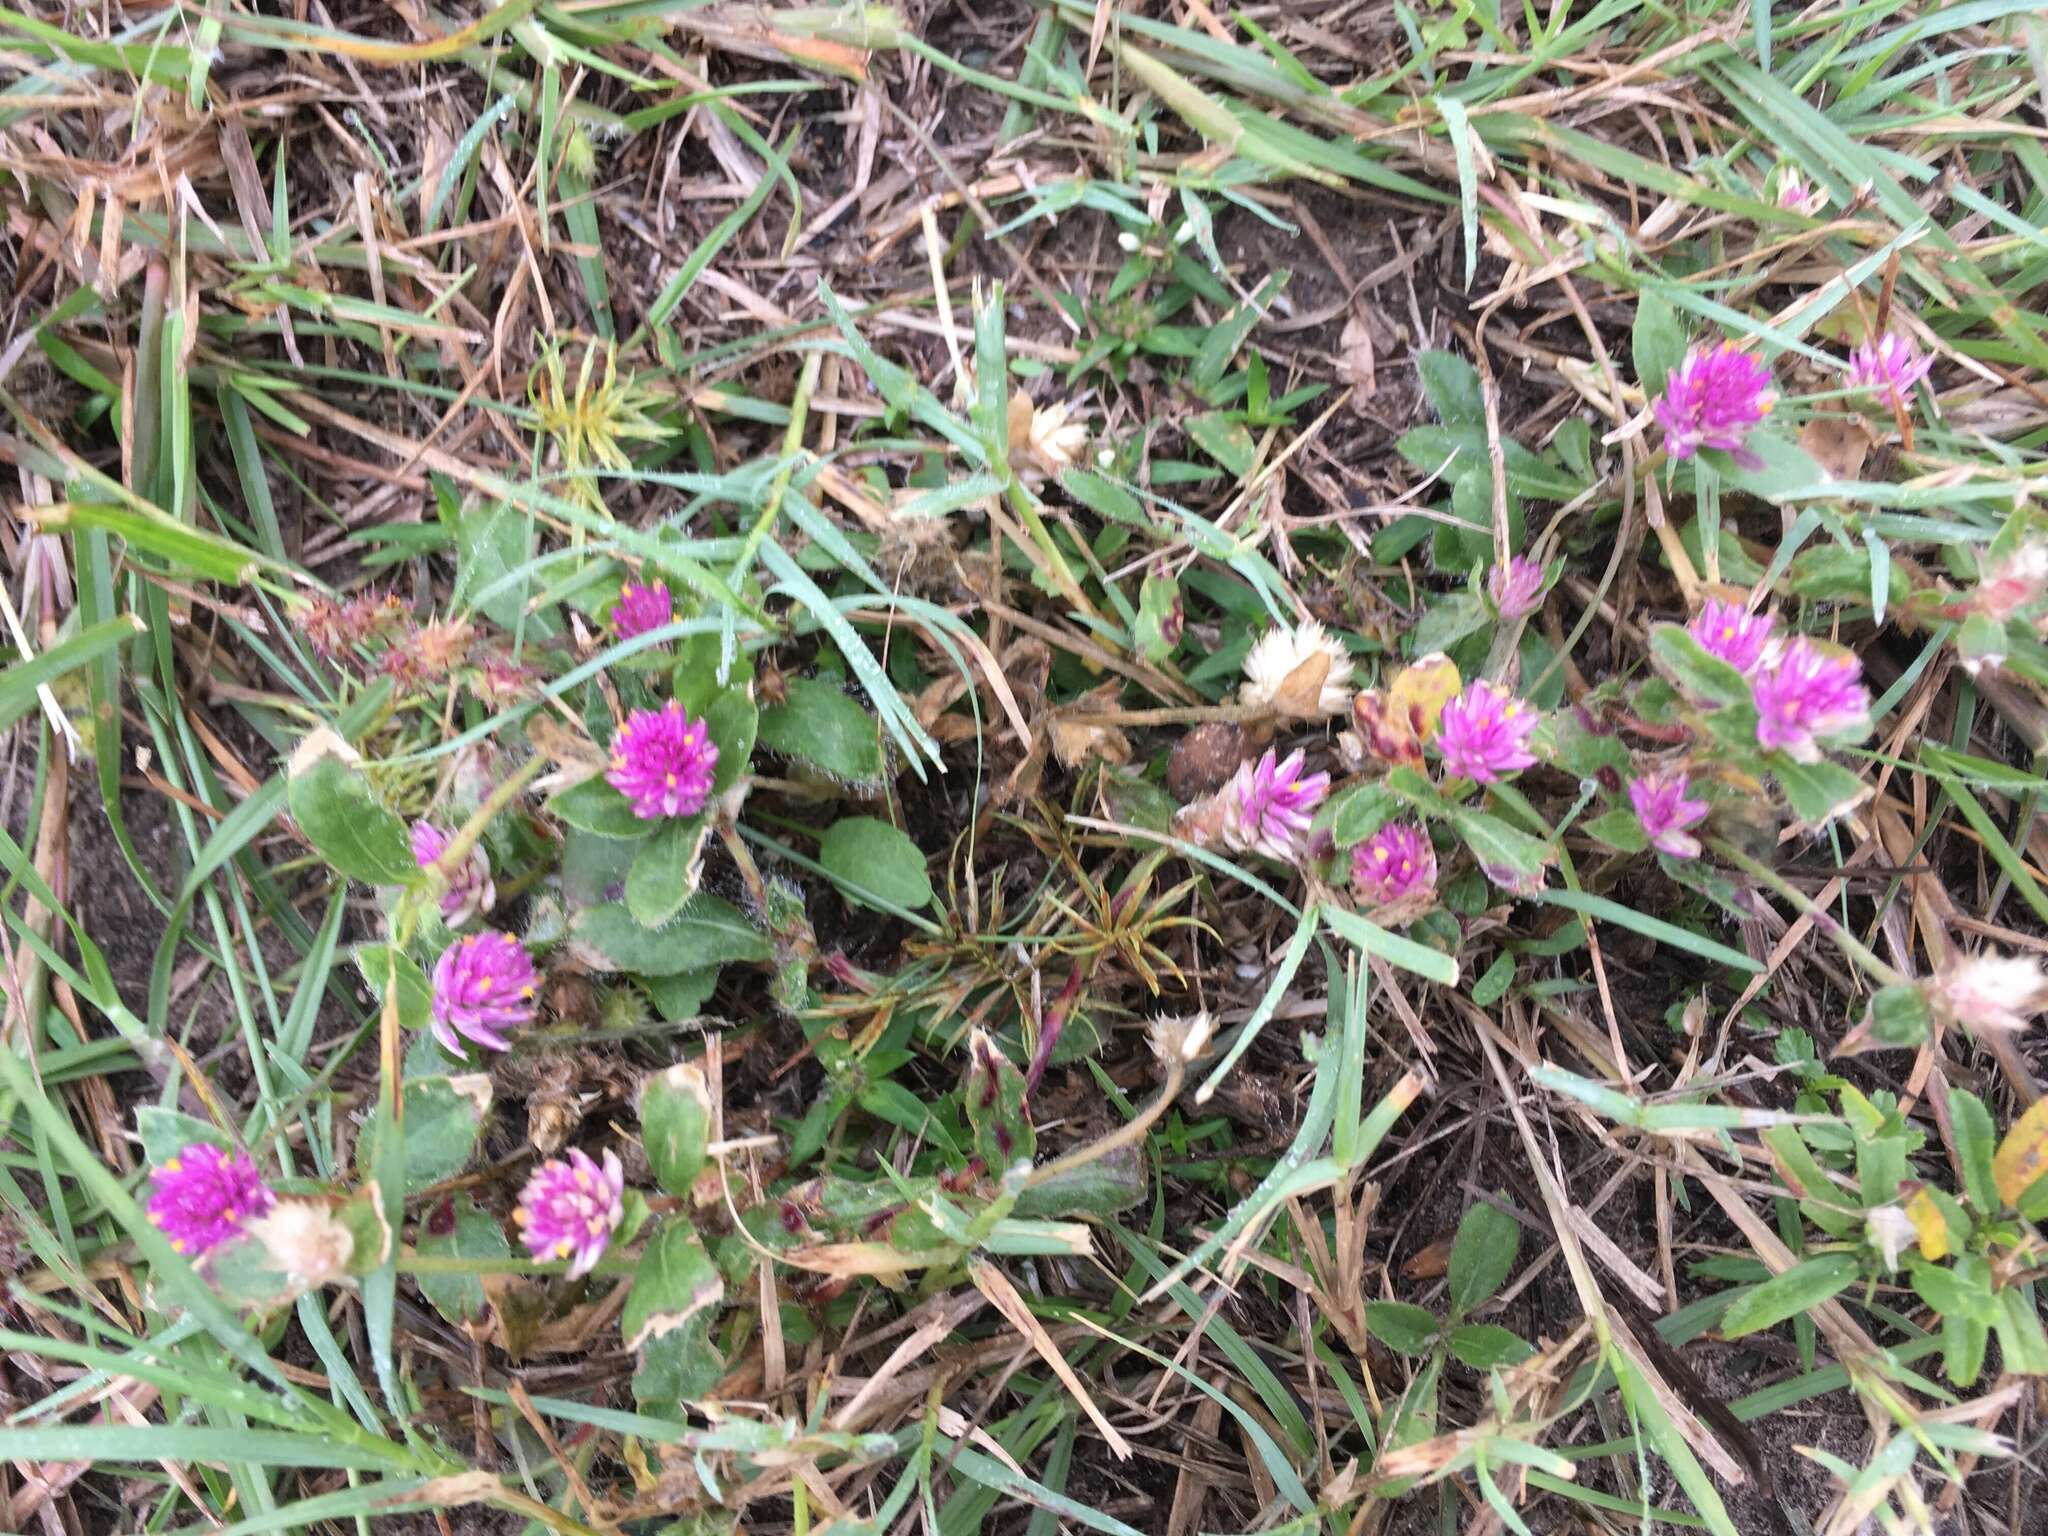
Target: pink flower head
570, 1207
640, 609
1393, 864
470, 889
662, 761
1888, 368
1661, 806
1270, 804
1712, 399
1807, 691
1516, 588
2018, 581
1483, 734
204, 1195
1795, 196
1736, 637
483, 986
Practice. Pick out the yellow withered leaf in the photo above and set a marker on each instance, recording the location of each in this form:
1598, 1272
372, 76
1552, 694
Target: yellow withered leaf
2023, 1156
1396, 725
1930, 1224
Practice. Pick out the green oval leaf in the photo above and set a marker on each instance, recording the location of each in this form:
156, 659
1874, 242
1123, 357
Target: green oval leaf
1482, 1255
675, 1126
706, 931
348, 826
472, 1233
595, 807
1484, 1346
665, 871
870, 858
1401, 1326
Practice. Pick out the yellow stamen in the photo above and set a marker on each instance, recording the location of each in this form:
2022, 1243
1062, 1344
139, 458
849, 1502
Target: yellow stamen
172, 1166
1380, 854
564, 1248
521, 1215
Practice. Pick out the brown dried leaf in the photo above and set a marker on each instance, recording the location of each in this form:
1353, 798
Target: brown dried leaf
1837, 444
1430, 1263
1357, 360
1299, 696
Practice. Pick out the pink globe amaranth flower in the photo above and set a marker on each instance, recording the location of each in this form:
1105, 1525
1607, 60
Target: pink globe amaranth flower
1738, 638
1483, 734
1270, 804
662, 761
1795, 196
470, 889
1712, 399
570, 1207
483, 986
1516, 588
1395, 863
204, 1196
640, 609
1806, 691
1888, 368
1662, 807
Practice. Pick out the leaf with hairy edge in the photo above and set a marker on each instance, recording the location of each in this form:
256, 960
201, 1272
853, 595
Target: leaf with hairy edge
674, 1281
675, 1125
343, 820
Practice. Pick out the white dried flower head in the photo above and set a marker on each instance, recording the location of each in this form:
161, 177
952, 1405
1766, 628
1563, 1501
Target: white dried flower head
1989, 991
1890, 1232
1128, 241
1057, 440
305, 1241
1182, 1039
1283, 653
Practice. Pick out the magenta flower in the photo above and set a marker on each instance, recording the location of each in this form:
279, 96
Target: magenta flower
470, 890
1661, 806
570, 1208
662, 761
1807, 691
1269, 804
1795, 196
1516, 588
1888, 368
1393, 864
1483, 734
1712, 399
204, 1195
640, 609
1736, 637
483, 986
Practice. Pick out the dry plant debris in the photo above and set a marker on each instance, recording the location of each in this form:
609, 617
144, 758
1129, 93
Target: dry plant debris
1023, 766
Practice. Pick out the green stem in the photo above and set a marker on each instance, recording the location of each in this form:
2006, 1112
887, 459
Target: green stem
792, 445
1848, 943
